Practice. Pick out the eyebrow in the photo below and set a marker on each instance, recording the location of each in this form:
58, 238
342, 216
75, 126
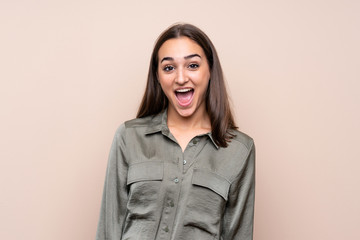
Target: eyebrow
186, 57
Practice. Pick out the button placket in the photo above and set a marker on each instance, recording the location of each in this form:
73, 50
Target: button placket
166, 223
188, 155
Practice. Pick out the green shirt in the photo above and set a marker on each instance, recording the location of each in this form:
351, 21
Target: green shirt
154, 191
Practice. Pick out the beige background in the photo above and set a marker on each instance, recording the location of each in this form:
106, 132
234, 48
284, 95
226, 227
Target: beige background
72, 71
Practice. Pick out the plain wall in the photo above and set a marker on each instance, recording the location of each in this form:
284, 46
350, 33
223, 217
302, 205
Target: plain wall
72, 71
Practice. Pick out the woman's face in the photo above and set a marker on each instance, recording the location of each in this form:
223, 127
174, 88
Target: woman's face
183, 74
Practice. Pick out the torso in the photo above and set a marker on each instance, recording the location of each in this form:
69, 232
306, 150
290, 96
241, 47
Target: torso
175, 193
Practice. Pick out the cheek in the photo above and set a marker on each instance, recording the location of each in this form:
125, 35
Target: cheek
202, 75
165, 85
203, 80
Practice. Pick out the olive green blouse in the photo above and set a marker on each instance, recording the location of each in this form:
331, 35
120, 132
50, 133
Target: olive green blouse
153, 190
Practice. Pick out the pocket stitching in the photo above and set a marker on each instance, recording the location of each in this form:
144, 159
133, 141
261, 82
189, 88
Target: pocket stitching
153, 170
205, 178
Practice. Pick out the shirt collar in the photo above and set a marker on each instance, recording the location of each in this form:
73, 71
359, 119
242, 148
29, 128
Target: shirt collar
159, 124
212, 140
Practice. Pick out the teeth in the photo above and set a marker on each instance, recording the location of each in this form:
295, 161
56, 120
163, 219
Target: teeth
184, 90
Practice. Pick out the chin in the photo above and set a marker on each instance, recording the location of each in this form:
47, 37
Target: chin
185, 113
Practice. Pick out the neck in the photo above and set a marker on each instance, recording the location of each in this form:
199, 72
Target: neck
199, 120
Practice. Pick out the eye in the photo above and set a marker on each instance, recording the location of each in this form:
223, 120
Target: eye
193, 66
168, 68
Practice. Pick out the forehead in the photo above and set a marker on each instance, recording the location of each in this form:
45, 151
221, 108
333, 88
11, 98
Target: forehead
179, 48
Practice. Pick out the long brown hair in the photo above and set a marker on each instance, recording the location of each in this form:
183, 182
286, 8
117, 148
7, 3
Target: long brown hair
217, 103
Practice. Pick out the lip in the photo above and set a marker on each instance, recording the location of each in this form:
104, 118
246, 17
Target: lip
187, 103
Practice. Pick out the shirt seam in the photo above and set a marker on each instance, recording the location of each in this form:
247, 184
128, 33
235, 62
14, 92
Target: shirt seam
214, 173
245, 162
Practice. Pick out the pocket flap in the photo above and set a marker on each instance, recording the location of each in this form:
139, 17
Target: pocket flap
145, 171
211, 180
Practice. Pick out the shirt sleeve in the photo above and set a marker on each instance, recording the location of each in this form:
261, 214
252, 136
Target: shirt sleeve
113, 206
239, 213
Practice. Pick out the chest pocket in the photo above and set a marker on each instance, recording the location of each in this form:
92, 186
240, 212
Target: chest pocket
211, 180
144, 185
145, 171
206, 203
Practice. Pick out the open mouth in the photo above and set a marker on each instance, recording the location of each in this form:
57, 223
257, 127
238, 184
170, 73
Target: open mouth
184, 96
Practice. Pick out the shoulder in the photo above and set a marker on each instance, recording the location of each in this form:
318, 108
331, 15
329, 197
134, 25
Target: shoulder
241, 139
232, 161
138, 124
242, 150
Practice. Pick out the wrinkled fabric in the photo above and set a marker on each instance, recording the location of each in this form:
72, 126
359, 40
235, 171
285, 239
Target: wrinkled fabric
155, 191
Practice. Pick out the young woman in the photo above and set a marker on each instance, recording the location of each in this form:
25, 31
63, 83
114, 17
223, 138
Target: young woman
180, 170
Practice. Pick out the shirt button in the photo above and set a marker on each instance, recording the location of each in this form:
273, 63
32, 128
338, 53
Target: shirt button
176, 180
195, 141
184, 162
166, 229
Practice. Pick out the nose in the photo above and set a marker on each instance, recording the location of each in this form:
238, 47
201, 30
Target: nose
181, 77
